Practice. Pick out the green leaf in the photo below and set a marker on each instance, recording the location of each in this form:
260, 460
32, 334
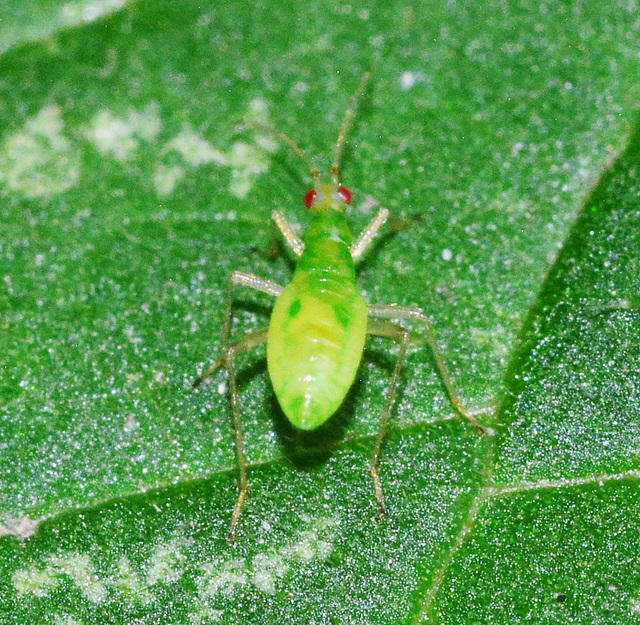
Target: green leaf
128, 195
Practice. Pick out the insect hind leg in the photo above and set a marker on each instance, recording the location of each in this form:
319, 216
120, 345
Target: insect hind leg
396, 332
228, 352
226, 361
393, 331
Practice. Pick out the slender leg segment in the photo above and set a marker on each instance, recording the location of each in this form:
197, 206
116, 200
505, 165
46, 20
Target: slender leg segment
253, 282
392, 331
251, 340
294, 241
416, 314
398, 333
368, 234
228, 351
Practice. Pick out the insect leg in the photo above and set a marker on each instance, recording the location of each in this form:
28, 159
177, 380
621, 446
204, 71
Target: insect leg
416, 314
368, 234
389, 330
242, 279
294, 241
254, 282
246, 343
228, 351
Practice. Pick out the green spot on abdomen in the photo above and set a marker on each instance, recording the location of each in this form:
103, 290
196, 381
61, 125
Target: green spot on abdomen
343, 316
295, 307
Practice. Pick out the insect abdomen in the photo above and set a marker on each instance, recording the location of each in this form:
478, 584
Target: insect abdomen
315, 343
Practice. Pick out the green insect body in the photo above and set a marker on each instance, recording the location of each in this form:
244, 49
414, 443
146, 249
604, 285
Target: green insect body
316, 335
319, 322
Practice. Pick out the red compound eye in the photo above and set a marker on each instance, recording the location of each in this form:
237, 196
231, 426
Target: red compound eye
309, 197
345, 194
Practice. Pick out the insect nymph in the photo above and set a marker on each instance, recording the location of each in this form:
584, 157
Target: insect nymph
320, 320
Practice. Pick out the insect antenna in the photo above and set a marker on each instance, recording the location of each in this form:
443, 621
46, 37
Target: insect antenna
346, 125
286, 139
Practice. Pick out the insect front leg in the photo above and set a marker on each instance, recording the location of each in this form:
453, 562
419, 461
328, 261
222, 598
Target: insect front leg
292, 239
228, 352
365, 238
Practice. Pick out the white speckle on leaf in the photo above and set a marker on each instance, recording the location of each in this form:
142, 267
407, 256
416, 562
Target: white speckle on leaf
218, 579
167, 562
194, 149
267, 570
131, 582
131, 424
35, 582
167, 177
248, 163
205, 615
39, 160
65, 620
82, 12
79, 568
223, 578
21, 528
120, 137
408, 80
